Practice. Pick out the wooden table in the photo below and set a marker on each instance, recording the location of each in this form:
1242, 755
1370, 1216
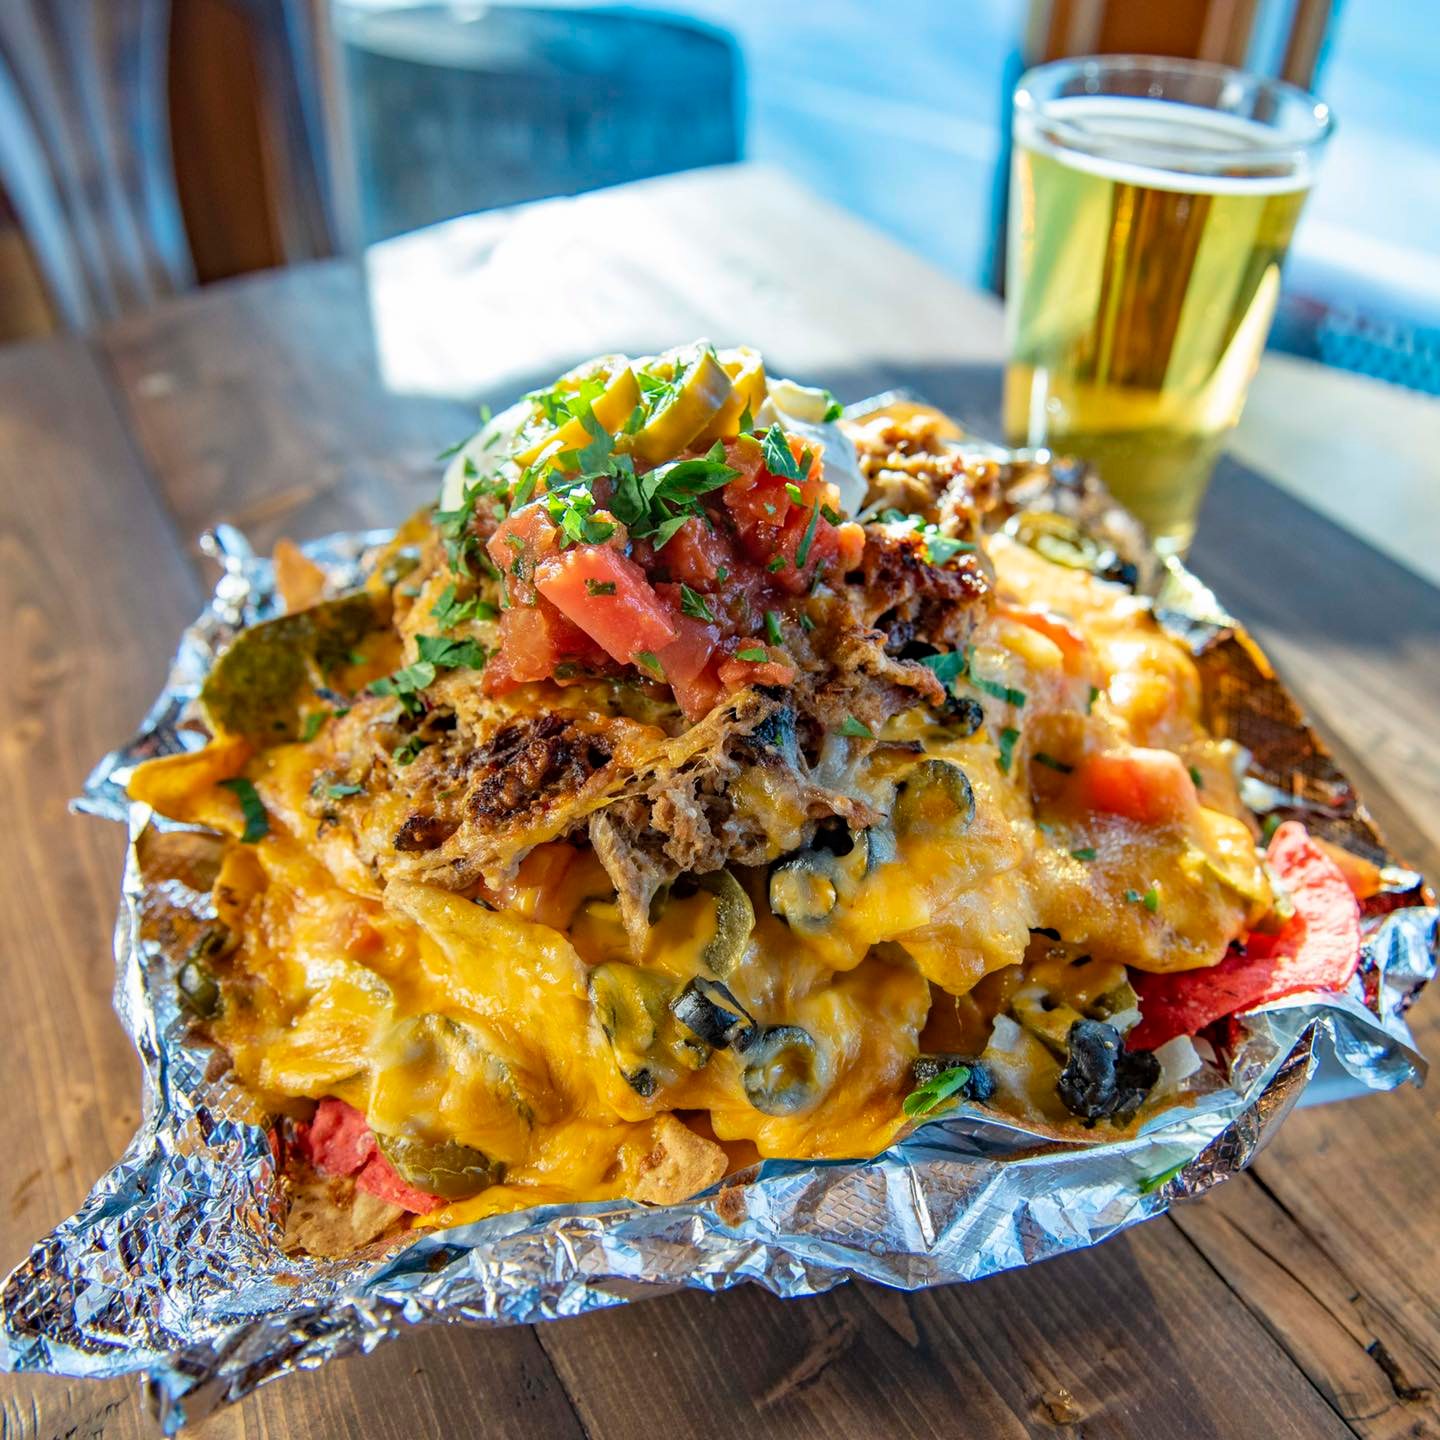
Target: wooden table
1299, 1300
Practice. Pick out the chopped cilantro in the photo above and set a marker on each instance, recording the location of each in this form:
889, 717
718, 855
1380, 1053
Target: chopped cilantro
802, 550
833, 408
451, 612
779, 458
939, 549
929, 1097
758, 653
311, 726
658, 503
858, 729
257, 822
1008, 736
1007, 693
339, 792
1150, 899
462, 545
599, 587
443, 653
948, 666
777, 563
405, 753
1197, 777
666, 531
772, 628
525, 489
647, 659
1153, 1182
747, 421
721, 574
694, 604
1045, 758
806, 623
1088, 852
405, 685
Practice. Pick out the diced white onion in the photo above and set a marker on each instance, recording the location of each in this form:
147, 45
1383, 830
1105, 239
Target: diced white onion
1179, 1060
1124, 1020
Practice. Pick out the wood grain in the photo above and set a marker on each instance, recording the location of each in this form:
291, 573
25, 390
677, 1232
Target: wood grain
257, 402
1296, 1301
1125, 1340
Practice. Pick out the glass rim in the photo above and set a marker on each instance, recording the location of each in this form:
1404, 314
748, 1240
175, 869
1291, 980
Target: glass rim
1037, 89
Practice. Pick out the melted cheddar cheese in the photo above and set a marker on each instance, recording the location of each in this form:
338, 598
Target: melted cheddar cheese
448, 1019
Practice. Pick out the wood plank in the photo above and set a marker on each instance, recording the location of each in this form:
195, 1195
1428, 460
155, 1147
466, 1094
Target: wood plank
1369, 1366
1136, 1338
1358, 449
256, 402
95, 588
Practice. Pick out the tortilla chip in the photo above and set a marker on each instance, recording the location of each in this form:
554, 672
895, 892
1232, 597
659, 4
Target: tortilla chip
678, 1164
332, 1217
1318, 948
300, 581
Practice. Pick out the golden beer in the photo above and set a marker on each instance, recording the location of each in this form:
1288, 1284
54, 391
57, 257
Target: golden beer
1146, 238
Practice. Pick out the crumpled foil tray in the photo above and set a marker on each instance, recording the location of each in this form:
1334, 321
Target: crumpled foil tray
173, 1268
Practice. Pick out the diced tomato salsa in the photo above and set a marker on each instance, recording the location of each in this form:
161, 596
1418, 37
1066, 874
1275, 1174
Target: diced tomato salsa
677, 611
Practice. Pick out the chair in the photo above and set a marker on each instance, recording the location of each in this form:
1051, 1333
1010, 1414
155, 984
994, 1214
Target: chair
451, 113
85, 145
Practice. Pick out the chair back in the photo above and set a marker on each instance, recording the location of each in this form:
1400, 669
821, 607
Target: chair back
451, 109
84, 151
85, 146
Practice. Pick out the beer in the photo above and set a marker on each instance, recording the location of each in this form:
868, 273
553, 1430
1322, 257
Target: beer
1144, 266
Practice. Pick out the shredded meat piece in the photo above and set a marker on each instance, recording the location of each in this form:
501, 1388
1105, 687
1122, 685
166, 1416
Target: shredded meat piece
532, 763
422, 831
636, 872
907, 599
908, 463
604, 762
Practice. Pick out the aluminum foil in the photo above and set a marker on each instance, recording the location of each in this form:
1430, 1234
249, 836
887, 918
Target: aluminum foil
173, 1267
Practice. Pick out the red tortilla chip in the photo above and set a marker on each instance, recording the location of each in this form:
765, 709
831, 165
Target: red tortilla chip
1318, 949
339, 1141
380, 1179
